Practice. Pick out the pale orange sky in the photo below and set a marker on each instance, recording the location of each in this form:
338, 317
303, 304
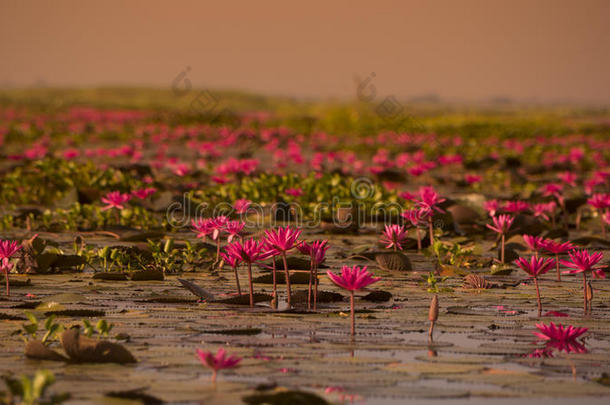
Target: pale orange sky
541, 50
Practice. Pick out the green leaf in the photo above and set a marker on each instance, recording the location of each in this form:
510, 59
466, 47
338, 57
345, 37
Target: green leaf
52, 332
30, 329
49, 322
26, 389
42, 380
31, 317
169, 244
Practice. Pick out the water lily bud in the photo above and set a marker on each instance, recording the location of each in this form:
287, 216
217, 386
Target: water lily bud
433, 314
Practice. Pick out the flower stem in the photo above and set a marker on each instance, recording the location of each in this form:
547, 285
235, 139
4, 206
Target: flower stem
214, 372
287, 272
237, 280
418, 239
315, 290
251, 286
310, 281
502, 249
8, 288
584, 291
352, 314
431, 229
274, 284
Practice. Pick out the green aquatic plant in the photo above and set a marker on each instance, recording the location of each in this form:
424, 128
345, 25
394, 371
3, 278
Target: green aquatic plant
165, 257
432, 282
52, 328
452, 253
48, 180
102, 327
192, 255
31, 390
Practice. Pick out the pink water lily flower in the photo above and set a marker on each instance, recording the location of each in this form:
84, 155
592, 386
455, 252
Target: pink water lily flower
431, 198
219, 361
393, 236
282, 239
353, 279
241, 206
558, 332
542, 209
203, 227
552, 190
581, 261
294, 192
502, 224
234, 260
279, 241
557, 248
535, 267
144, 192
317, 252
233, 229
535, 243
115, 199
492, 207
516, 206
217, 225
418, 218
248, 251
568, 177
407, 196
473, 178
601, 202
8, 248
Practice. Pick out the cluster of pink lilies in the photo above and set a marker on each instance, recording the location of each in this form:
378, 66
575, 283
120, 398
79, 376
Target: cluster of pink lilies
581, 262
277, 243
116, 199
419, 216
184, 150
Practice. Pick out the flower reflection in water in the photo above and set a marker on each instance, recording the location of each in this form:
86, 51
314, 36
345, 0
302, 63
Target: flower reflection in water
560, 339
